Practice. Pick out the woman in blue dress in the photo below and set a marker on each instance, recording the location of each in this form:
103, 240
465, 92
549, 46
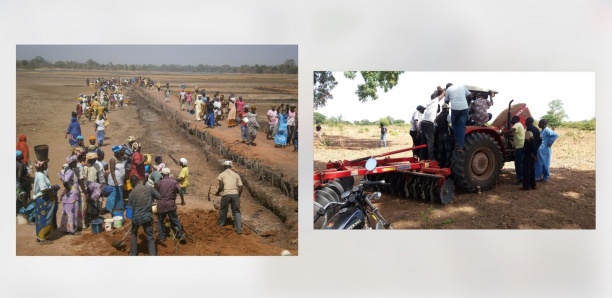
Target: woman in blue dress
280, 139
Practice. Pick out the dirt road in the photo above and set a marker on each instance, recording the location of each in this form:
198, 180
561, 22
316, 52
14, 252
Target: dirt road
45, 100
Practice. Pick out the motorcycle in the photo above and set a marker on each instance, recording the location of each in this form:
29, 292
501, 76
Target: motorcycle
355, 209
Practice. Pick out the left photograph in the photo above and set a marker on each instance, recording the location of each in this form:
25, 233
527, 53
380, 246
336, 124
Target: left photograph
156, 150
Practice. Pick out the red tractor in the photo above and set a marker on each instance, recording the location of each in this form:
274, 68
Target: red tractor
477, 168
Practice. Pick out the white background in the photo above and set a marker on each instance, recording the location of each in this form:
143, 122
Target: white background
337, 35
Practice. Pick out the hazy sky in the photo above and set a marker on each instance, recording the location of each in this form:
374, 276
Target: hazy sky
575, 89
234, 55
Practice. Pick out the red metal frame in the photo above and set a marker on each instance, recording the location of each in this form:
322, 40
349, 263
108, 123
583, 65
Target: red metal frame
346, 168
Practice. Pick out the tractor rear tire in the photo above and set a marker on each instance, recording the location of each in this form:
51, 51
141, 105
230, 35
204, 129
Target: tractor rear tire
479, 165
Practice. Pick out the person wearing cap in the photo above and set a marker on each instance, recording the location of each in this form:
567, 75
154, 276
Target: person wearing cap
230, 189
252, 125
415, 131
71, 202
166, 205
114, 200
428, 126
530, 154
458, 96
442, 135
23, 182
183, 177
272, 122
141, 201
73, 130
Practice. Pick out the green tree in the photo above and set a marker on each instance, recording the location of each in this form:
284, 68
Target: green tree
384, 121
325, 82
556, 113
319, 118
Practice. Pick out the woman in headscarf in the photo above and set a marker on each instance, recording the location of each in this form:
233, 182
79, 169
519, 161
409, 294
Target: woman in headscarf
252, 126
22, 146
231, 116
74, 130
280, 139
188, 100
45, 199
138, 165
70, 197
198, 107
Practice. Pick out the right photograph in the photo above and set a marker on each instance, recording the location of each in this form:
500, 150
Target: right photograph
454, 150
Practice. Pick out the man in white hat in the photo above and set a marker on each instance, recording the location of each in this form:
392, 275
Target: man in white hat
166, 205
230, 189
183, 178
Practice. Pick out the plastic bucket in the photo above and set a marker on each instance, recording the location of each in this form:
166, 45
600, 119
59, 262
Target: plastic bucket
108, 224
128, 212
118, 221
42, 152
154, 208
22, 219
118, 213
96, 226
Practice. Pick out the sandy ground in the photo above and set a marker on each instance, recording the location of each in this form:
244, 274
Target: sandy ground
45, 100
566, 201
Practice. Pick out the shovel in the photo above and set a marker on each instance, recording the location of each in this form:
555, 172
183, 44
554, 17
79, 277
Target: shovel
119, 244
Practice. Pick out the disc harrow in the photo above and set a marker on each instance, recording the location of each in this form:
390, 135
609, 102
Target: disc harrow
407, 177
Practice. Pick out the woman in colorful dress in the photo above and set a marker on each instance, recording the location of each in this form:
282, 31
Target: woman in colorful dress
231, 116
252, 126
45, 199
280, 139
70, 197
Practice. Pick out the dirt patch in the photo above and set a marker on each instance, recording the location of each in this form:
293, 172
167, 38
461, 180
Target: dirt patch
566, 201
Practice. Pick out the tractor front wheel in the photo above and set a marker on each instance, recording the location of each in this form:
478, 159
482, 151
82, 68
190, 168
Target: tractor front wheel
479, 165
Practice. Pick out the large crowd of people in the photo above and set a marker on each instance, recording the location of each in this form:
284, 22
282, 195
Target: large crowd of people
93, 188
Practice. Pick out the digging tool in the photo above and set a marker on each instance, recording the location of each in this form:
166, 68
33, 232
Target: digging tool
208, 196
174, 159
119, 244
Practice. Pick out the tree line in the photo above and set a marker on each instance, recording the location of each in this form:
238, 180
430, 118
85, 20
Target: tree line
287, 67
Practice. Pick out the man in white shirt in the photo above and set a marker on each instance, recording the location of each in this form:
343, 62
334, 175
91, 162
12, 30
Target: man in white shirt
457, 96
415, 130
427, 124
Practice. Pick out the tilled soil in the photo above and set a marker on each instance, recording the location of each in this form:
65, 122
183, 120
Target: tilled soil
44, 102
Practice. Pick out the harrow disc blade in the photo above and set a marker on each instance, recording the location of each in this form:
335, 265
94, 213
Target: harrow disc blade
400, 185
446, 191
408, 187
335, 186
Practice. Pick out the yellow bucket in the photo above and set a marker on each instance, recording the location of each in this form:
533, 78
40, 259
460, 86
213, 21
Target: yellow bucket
127, 186
148, 159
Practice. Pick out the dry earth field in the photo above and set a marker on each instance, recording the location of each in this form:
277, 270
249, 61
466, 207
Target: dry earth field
566, 201
45, 100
